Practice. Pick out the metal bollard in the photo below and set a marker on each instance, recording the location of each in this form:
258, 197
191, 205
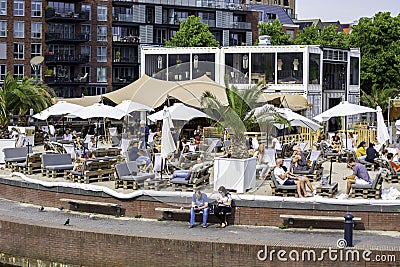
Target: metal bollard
348, 229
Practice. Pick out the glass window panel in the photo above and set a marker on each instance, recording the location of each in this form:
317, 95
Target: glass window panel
290, 68
36, 30
314, 69
178, 67
19, 7
3, 28
36, 9
263, 68
19, 29
354, 70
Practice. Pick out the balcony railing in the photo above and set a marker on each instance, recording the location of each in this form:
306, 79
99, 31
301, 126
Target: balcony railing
126, 60
64, 58
58, 15
66, 37
65, 79
126, 39
123, 3
216, 4
242, 25
210, 22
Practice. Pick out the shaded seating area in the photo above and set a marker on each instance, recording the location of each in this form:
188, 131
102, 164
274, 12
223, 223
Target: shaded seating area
329, 153
282, 190
373, 190
54, 164
127, 176
314, 173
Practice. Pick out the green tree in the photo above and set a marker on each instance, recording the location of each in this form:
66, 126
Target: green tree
238, 115
329, 36
19, 95
378, 40
308, 36
274, 29
379, 96
193, 33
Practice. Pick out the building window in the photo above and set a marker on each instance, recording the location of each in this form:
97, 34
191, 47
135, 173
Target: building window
3, 28
19, 7
102, 13
3, 71
87, 29
88, 8
3, 7
102, 33
86, 50
101, 74
160, 35
36, 9
18, 71
354, 70
291, 33
101, 54
36, 50
36, 30
19, 27
86, 69
150, 14
18, 51
3, 50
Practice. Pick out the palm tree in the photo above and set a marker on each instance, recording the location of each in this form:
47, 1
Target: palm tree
238, 116
379, 96
19, 95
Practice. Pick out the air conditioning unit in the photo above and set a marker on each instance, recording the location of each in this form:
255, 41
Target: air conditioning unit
264, 40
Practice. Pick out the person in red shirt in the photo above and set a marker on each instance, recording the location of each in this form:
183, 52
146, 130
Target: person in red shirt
395, 166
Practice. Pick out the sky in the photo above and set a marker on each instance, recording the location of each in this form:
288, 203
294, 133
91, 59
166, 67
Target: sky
344, 10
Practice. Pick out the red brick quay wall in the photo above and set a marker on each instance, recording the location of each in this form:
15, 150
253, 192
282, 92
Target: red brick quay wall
246, 212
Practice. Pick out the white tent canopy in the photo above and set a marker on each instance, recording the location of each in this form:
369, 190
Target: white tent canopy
179, 111
58, 109
341, 110
99, 110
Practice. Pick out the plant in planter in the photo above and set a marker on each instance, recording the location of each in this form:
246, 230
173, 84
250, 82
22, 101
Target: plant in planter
49, 72
117, 56
238, 117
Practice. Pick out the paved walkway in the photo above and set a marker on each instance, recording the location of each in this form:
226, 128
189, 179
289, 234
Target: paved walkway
52, 217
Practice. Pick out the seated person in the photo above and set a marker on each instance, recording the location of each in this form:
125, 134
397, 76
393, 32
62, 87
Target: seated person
199, 203
185, 149
261, 164
372, 154
394, 165
287, 178
224, 206
300, 162
134, 154
79, 147
336, 142
67, 136
198, 133
360, 176
156, 143
384, 154
187, 173
361, 152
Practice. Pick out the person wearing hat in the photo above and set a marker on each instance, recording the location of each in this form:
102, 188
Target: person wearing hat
300, 162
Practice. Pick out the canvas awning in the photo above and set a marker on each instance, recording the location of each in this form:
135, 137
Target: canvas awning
83, 101
294, 102
153, 92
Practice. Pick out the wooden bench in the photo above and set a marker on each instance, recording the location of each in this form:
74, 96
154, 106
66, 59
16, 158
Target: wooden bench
76, 204
291, 218
170, 211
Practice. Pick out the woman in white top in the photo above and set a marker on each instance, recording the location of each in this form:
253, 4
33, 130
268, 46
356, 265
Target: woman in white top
261, 164
276, 144
224, 205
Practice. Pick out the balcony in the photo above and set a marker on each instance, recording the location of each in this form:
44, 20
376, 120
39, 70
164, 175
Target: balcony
117, 39
123, 3
65, 59
125, 61
65, 79
210, 22
53, 37
51, 15
241, 25
214, 4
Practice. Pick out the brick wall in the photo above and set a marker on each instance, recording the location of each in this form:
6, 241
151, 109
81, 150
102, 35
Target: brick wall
244, 213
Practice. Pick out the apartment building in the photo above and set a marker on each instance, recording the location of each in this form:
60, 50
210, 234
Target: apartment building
92, 47
288, 5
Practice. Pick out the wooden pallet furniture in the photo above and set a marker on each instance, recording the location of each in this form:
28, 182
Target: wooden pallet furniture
55, 164
32, 164
127, 176
196, 178
369, 191
15, 154
327, 190
282, 190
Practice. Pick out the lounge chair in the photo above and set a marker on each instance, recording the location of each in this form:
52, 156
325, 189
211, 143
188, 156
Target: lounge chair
56, 163
282, 190
315, 171
196, 178
15, 154
127, 175
370, 190
329, 153
392, 176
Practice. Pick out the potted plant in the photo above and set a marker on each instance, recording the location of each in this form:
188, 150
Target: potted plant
49, 72
237, 171
117, 56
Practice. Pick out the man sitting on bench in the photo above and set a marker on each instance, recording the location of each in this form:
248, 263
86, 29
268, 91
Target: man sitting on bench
287, 178
360, 176
199, 203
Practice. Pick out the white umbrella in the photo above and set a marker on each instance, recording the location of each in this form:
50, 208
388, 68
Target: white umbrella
296, 119
58, 109
341, 110
99, 110
167, 142
129, 106
382, 132
179, 111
